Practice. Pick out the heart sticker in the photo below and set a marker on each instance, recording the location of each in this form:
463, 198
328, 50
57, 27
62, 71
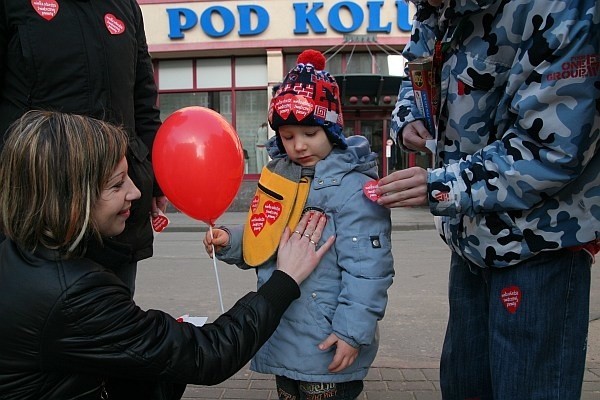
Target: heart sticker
114, 25
254, 203
511, 298
46, 9
283, 106
369, 190
272, 210
302, 107
257, 223
160, 222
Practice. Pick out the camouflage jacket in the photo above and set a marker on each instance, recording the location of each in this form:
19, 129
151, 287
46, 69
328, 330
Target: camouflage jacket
517, 164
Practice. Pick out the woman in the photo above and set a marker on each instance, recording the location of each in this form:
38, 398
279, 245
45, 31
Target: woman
69, 326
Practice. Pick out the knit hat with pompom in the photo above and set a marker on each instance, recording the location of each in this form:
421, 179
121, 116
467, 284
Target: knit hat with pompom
309, 96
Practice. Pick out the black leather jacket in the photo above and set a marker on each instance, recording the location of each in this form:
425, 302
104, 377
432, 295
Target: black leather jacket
68, 326
72, 62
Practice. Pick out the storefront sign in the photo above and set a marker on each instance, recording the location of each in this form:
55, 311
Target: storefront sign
344, 17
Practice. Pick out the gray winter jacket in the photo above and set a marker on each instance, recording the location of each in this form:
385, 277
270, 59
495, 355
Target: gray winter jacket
347, 293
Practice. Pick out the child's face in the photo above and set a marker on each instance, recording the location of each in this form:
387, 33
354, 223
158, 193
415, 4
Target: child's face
305, 145
113, 207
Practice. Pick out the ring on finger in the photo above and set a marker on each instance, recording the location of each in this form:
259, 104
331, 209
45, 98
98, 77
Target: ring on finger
307, 235
298, 232
312, 241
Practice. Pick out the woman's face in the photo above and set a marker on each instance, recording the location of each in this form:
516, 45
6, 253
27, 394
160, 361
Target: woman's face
113, 207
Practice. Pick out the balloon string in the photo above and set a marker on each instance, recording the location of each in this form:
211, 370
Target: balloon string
216, 271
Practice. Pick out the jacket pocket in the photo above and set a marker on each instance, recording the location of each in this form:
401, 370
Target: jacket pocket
322, 319
54, 77
494, 238
477, 90
23, 51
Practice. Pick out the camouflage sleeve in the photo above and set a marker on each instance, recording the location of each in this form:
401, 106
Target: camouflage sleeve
422, 43
553, 107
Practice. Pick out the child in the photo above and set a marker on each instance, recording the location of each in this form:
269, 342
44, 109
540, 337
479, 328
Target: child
69, 326
326, 342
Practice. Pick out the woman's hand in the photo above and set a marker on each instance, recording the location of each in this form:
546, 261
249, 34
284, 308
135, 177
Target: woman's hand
298, 255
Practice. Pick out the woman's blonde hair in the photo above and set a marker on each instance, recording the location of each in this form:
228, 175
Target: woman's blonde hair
53, 168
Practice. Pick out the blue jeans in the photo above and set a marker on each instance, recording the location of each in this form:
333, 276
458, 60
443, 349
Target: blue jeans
290, 389
517, 333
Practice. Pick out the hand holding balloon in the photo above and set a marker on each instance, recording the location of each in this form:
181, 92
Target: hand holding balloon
218, 238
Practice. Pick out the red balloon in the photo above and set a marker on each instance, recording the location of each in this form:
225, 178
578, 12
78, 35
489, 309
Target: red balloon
198, 161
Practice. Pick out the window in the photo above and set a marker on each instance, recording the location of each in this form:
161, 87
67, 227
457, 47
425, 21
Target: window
208, 83
213, 73
251, 72
251, 114
176, 74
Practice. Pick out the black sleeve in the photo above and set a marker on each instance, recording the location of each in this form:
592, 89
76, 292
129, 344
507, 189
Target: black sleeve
100, 330
147, 114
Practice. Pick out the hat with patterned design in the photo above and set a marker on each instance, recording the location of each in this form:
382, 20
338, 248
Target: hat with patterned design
309, 96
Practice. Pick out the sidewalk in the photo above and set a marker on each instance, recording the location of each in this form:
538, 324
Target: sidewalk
387, 379
406, 219
381, 383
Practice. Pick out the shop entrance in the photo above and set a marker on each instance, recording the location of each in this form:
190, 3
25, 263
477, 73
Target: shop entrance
375, 126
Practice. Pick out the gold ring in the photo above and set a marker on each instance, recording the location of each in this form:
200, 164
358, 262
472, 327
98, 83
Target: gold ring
307, 235
298, 232
312, 241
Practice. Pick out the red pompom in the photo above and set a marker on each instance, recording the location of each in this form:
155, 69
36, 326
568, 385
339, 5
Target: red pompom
314, 57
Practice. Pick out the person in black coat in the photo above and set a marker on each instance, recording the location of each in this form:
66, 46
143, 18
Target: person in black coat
90, 58
69, 325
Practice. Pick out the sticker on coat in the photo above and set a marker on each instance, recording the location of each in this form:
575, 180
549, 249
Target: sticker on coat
46, 9
272, 210
257, 223
114, 25
369, 189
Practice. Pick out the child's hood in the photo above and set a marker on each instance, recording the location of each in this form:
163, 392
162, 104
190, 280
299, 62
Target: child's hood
357, 157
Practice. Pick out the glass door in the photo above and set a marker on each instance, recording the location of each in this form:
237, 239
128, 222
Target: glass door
375, 128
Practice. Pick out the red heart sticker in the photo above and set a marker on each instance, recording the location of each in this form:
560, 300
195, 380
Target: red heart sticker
272, 210
46, 9
159, 222
369, 190
114, 25
302, 107
511, 298
257, 223
283, 106
254, 204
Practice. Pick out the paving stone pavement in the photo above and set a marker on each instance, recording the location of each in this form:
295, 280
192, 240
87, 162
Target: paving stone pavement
382, 383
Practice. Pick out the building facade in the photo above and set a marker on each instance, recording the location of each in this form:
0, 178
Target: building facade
229, 55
